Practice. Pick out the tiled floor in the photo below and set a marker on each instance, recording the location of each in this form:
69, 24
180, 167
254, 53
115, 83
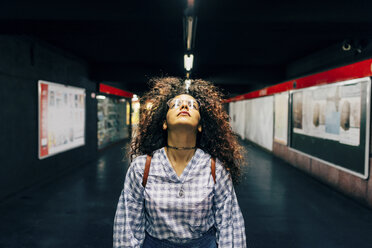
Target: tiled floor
282, 207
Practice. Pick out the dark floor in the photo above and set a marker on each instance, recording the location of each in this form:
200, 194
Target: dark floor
282, 207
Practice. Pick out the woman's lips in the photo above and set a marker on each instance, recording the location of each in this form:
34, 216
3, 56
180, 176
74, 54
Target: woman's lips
184, 113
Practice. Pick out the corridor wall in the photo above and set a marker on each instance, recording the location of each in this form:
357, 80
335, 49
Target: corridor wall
356, 183
24, 61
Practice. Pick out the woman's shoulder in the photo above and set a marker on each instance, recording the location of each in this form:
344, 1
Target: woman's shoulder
139, 162
221, 170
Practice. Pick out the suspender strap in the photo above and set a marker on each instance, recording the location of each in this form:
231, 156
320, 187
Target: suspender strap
213, 169
147, 170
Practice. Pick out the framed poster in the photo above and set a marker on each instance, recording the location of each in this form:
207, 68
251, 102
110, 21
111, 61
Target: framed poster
61, 118
331, 123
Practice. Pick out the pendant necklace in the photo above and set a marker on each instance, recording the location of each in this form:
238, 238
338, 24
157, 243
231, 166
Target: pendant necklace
181, 193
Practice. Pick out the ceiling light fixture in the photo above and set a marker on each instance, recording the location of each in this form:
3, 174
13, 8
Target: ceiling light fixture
188, 61
100, 97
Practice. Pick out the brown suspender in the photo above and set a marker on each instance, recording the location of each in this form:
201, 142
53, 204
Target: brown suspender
213, 169
147, 170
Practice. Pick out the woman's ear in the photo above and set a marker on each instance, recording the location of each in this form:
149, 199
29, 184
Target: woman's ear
165, 125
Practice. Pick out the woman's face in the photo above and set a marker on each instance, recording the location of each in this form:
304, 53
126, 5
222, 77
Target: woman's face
183, 111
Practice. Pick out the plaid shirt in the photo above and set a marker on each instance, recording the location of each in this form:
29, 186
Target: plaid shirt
178, 208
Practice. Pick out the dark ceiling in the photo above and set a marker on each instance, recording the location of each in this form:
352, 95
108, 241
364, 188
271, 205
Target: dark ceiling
240, 45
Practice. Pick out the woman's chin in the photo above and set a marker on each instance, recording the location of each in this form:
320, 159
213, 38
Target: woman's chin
184, 125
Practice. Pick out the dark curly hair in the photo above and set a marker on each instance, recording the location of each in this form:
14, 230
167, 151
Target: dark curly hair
216, 138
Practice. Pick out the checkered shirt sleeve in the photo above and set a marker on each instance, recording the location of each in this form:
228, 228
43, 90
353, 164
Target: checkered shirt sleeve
228, 216
129, 223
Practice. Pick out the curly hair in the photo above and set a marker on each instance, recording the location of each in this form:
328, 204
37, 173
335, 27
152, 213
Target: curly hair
217, 138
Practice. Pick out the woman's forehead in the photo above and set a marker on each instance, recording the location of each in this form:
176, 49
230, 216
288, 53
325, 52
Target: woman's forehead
184, 96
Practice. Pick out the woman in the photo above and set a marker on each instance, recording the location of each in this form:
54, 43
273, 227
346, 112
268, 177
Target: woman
187, 200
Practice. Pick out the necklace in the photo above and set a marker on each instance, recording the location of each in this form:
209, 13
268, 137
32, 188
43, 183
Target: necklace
181, 148
181, 194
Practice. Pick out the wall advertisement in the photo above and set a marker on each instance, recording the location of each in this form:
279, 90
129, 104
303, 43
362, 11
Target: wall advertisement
330, 112
61, 118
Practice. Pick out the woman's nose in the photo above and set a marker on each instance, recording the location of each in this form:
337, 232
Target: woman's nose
184, 105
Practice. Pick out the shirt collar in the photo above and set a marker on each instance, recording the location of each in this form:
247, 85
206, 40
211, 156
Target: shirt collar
198, 155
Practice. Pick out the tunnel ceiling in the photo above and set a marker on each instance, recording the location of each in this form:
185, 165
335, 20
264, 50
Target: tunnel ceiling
240, 45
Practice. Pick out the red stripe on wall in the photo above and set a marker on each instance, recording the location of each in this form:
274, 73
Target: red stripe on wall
107, 89
43, 121
348, 72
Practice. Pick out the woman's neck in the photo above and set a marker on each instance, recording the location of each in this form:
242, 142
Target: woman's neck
181, 139
180, 157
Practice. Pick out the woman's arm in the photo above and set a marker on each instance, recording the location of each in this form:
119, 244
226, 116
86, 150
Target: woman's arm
129, 223
229, 219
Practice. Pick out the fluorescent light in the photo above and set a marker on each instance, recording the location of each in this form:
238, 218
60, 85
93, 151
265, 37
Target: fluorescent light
190, 3
189, 33
100, 97
188, 61
135, 97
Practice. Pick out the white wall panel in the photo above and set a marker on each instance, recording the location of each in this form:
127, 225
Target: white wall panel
259, 121
253, 120
240, 118
232, 115
249, 125
281, 118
